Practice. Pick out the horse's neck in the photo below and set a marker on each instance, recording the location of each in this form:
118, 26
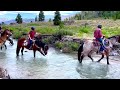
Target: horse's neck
4, 37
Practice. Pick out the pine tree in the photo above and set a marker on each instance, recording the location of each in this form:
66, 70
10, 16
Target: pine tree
36, 19
3, 23
41, 16
57, 18
50, 20
18, 19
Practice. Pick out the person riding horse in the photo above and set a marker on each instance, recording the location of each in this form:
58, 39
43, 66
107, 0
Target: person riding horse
99, 37
31, 37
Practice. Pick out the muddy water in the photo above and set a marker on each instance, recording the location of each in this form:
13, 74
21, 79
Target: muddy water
56, 65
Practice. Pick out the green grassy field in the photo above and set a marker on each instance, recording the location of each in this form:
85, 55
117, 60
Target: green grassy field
110, 28
74, 30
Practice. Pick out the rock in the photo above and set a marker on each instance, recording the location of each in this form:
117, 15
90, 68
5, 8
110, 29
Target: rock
66, 50
4, 73
114, 53
67, 38
71, 38
116, 46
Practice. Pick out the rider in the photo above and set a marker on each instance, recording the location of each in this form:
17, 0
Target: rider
31, 37
99, 37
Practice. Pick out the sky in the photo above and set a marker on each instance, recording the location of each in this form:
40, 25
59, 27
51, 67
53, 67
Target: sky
10, 15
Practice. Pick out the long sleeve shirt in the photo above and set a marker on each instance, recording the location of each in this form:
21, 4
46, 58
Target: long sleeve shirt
98, 33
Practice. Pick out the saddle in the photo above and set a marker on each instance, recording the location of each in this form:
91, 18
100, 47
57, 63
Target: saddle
96, 43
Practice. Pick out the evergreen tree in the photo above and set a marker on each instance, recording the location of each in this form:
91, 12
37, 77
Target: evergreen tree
57, 18
3, 23
18, 19
50, 20
36, 19
41, 16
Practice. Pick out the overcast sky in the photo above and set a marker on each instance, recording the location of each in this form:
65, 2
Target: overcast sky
9, 15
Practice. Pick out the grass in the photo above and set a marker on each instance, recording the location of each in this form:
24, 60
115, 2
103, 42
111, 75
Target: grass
49, 28
72, 46
72, 30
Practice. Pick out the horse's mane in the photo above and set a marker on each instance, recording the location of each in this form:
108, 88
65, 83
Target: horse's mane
40, 43
3, 33
113, 36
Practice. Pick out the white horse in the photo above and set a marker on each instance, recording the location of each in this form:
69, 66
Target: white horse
88, 47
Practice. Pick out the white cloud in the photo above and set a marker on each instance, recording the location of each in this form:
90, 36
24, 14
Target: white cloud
3, 12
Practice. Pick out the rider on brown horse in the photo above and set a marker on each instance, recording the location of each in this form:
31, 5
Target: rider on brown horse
99, 37
31, 37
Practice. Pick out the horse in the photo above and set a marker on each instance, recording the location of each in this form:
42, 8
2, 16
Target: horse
88, 47
38, 45
10, 42
4, 36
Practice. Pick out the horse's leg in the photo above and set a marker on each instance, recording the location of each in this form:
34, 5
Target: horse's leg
107, 56
81, 58
22, 50
18, 50
79, 52
108, 60
34, 51
89, 55
101, 58
5, 46
1, 47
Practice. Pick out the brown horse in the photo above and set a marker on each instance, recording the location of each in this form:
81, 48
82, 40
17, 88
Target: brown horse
38, 45
4, 36
89, 46
10, 42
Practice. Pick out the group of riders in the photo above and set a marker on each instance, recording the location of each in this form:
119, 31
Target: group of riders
97, 34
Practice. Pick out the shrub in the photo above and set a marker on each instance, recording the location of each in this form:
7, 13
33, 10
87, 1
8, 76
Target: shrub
59, 45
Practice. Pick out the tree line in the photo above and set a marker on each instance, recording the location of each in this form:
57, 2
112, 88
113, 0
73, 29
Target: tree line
41, 17
83, 15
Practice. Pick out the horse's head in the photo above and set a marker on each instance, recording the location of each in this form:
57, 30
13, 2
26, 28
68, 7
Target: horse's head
11, 41
114, 39
45, 49
7, 32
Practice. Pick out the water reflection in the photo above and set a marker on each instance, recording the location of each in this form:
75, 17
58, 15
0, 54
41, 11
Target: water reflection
92, 70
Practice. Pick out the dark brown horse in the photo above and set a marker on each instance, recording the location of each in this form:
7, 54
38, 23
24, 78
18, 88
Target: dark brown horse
4, 36
38, 45
88, 47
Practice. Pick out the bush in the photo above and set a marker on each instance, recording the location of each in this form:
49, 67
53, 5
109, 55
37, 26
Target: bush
59, 45
63, 32
72, 46
61, 25
48, 40
85, 29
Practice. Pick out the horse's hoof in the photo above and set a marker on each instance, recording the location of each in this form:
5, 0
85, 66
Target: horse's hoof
98, 61
80, 61
108, 63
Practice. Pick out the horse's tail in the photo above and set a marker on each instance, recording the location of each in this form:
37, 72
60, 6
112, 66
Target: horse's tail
80, 50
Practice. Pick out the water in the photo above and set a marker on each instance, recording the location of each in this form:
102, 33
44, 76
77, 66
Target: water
56, 65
